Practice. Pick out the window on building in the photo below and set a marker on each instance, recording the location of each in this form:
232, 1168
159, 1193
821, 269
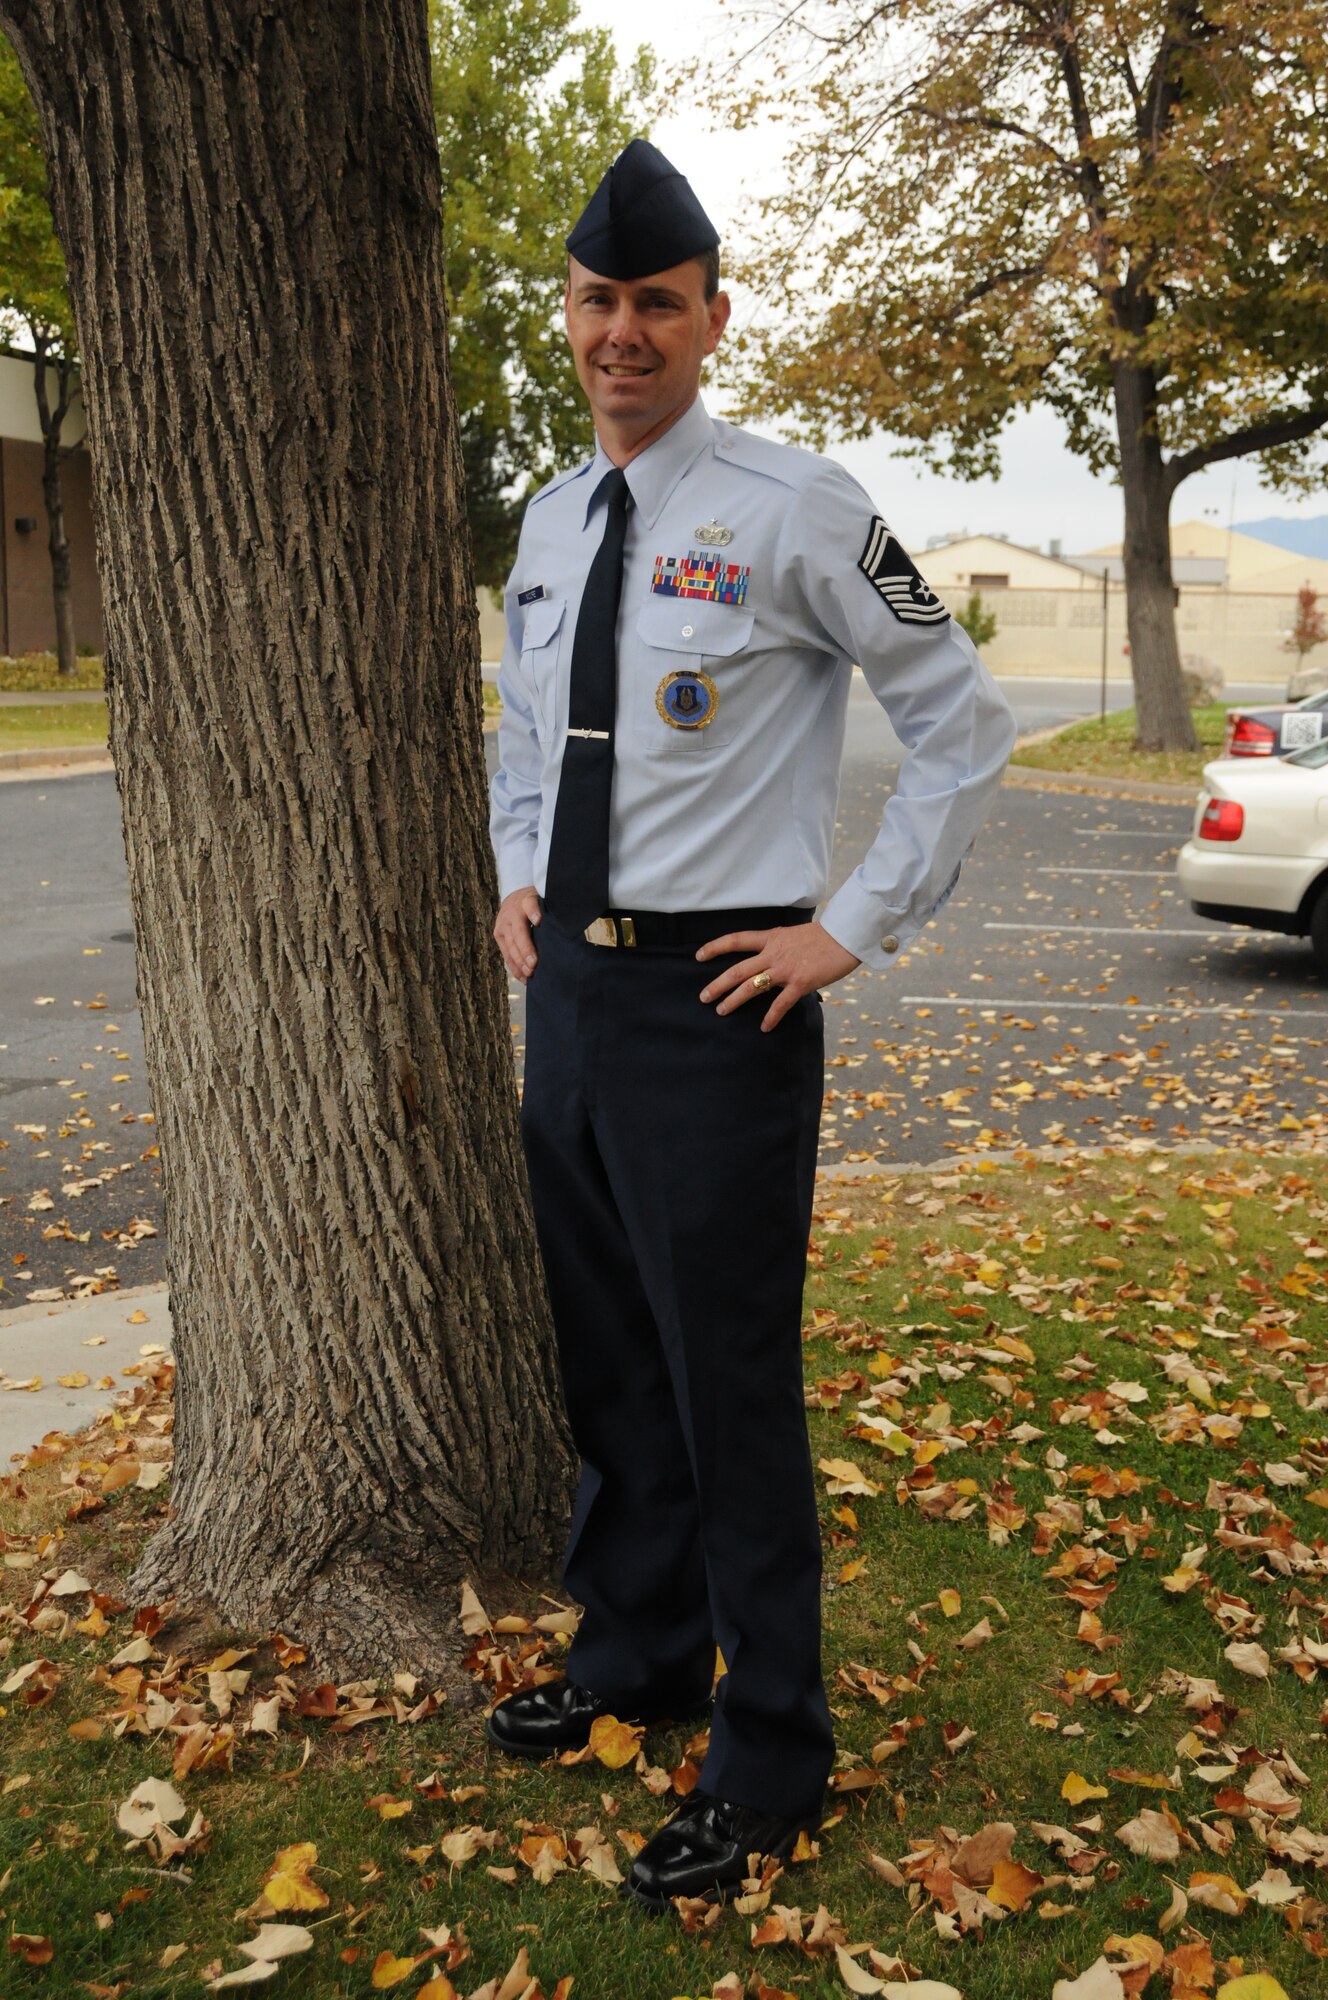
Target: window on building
979, 581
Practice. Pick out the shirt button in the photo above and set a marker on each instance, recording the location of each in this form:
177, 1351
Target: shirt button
890, 943
687, 631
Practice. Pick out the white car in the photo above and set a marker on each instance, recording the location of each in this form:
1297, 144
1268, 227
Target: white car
1259, 851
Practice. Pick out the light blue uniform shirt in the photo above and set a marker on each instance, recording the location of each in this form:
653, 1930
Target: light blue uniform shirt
741, 812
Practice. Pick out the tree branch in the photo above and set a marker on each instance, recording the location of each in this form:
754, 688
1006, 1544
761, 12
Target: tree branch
1254, 437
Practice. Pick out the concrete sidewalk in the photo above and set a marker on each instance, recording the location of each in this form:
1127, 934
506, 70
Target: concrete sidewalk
48, 1341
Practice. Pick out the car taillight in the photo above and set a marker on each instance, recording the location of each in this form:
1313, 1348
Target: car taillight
1221, 819
1247, 738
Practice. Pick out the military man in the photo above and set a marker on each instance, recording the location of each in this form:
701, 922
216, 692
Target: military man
683, 619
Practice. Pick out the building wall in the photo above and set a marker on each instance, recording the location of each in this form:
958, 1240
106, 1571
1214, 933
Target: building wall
1060, 631
27, 611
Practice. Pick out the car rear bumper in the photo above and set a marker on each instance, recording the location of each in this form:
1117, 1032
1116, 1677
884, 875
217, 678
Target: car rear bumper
1246, 888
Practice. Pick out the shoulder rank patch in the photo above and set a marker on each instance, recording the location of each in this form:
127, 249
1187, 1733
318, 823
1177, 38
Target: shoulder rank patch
695, 575
885, 565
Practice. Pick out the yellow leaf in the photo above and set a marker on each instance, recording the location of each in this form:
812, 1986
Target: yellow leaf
439, 1987
950, 1602
851, 1571
78, 1380
1253, 1986
1076, 1789
390, 1971
288, 1884
1012, 1884
614, 1743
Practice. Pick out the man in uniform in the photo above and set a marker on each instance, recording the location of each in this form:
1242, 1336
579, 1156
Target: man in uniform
683, 619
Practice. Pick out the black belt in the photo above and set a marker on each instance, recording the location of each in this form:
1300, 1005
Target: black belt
682, 930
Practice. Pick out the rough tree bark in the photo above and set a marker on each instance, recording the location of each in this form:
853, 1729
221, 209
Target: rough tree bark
248, 199
52, 421
1163, 719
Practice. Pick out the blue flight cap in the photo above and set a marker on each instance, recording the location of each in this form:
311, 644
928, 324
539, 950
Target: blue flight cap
643, 217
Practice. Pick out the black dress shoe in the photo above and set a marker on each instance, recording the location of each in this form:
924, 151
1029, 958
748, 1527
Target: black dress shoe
703, 1850
556, 1716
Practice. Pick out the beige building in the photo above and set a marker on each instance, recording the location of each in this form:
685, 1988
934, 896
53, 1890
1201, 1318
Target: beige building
1064, 614
27, 614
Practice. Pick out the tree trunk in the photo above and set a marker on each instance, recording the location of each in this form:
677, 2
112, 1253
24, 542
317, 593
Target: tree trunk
1162, 712
58, 544
368, 1402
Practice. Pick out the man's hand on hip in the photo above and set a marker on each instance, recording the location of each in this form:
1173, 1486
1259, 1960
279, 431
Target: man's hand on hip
512, 929
797, 958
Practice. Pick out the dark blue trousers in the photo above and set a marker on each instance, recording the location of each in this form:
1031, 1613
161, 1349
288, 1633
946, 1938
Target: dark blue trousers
672, 1156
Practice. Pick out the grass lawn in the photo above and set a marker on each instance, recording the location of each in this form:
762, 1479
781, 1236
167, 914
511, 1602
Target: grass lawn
56, 727
34, 673
1102, 749
1074, 1472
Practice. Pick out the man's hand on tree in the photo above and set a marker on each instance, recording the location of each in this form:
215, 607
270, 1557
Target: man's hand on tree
512, 929
798, 957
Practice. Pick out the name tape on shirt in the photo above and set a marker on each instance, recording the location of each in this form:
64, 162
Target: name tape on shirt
885, 565
706, 577
534, 595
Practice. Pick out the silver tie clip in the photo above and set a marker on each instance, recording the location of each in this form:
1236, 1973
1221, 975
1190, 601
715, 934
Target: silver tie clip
602, 733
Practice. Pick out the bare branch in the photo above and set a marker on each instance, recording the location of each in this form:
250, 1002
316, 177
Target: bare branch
1253, 437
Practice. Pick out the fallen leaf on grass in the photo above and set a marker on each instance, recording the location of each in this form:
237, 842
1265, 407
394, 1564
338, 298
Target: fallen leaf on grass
278, 1941
853, 1975
1077, 1788
389, 1970
615, 1743
245, 1975
1155, 1836
1218, 1892
33, 1950
150, 1805
1100, 1982
1252, 1986
289, 1885
1247, 1656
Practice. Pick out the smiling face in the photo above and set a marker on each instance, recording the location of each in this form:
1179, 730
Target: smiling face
639, 344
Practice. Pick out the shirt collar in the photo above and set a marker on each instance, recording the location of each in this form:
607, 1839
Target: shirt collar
652, 476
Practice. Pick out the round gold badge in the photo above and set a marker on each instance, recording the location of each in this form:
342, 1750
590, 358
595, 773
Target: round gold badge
687, 699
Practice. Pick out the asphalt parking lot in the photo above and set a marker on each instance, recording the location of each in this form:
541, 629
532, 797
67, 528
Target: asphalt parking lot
1066, 995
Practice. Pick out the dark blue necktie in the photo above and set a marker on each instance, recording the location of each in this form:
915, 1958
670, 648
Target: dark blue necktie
576, 886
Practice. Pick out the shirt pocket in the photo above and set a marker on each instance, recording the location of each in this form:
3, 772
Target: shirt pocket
541, 647
686, 636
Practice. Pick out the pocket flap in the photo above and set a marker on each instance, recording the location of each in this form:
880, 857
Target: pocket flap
695, 627
542, 619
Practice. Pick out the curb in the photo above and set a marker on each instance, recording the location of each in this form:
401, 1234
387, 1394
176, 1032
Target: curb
1033, 778
55, 762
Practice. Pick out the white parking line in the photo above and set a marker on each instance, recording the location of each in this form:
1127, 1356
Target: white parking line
1107, 871
1132, 930
1166, 1010
1123, 833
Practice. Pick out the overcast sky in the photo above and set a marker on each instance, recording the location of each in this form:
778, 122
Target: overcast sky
1043, 492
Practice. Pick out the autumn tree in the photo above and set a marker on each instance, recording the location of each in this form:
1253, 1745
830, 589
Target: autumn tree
1310, 626
248, 201
1118, 208
531, 109
33, 293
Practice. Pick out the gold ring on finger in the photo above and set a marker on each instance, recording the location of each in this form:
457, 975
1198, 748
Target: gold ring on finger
760, 982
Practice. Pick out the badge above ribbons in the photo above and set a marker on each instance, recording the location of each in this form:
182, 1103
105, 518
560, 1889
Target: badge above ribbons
687, 699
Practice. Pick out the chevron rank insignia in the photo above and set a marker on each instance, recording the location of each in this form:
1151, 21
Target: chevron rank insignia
885, 565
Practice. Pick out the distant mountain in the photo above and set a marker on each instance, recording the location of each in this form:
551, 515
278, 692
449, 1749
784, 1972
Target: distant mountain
1303, 538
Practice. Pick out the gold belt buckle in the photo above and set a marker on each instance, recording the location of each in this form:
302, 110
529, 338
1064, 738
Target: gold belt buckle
605, 930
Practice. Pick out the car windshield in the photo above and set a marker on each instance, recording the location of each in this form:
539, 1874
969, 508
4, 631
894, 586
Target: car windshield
1312, 756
